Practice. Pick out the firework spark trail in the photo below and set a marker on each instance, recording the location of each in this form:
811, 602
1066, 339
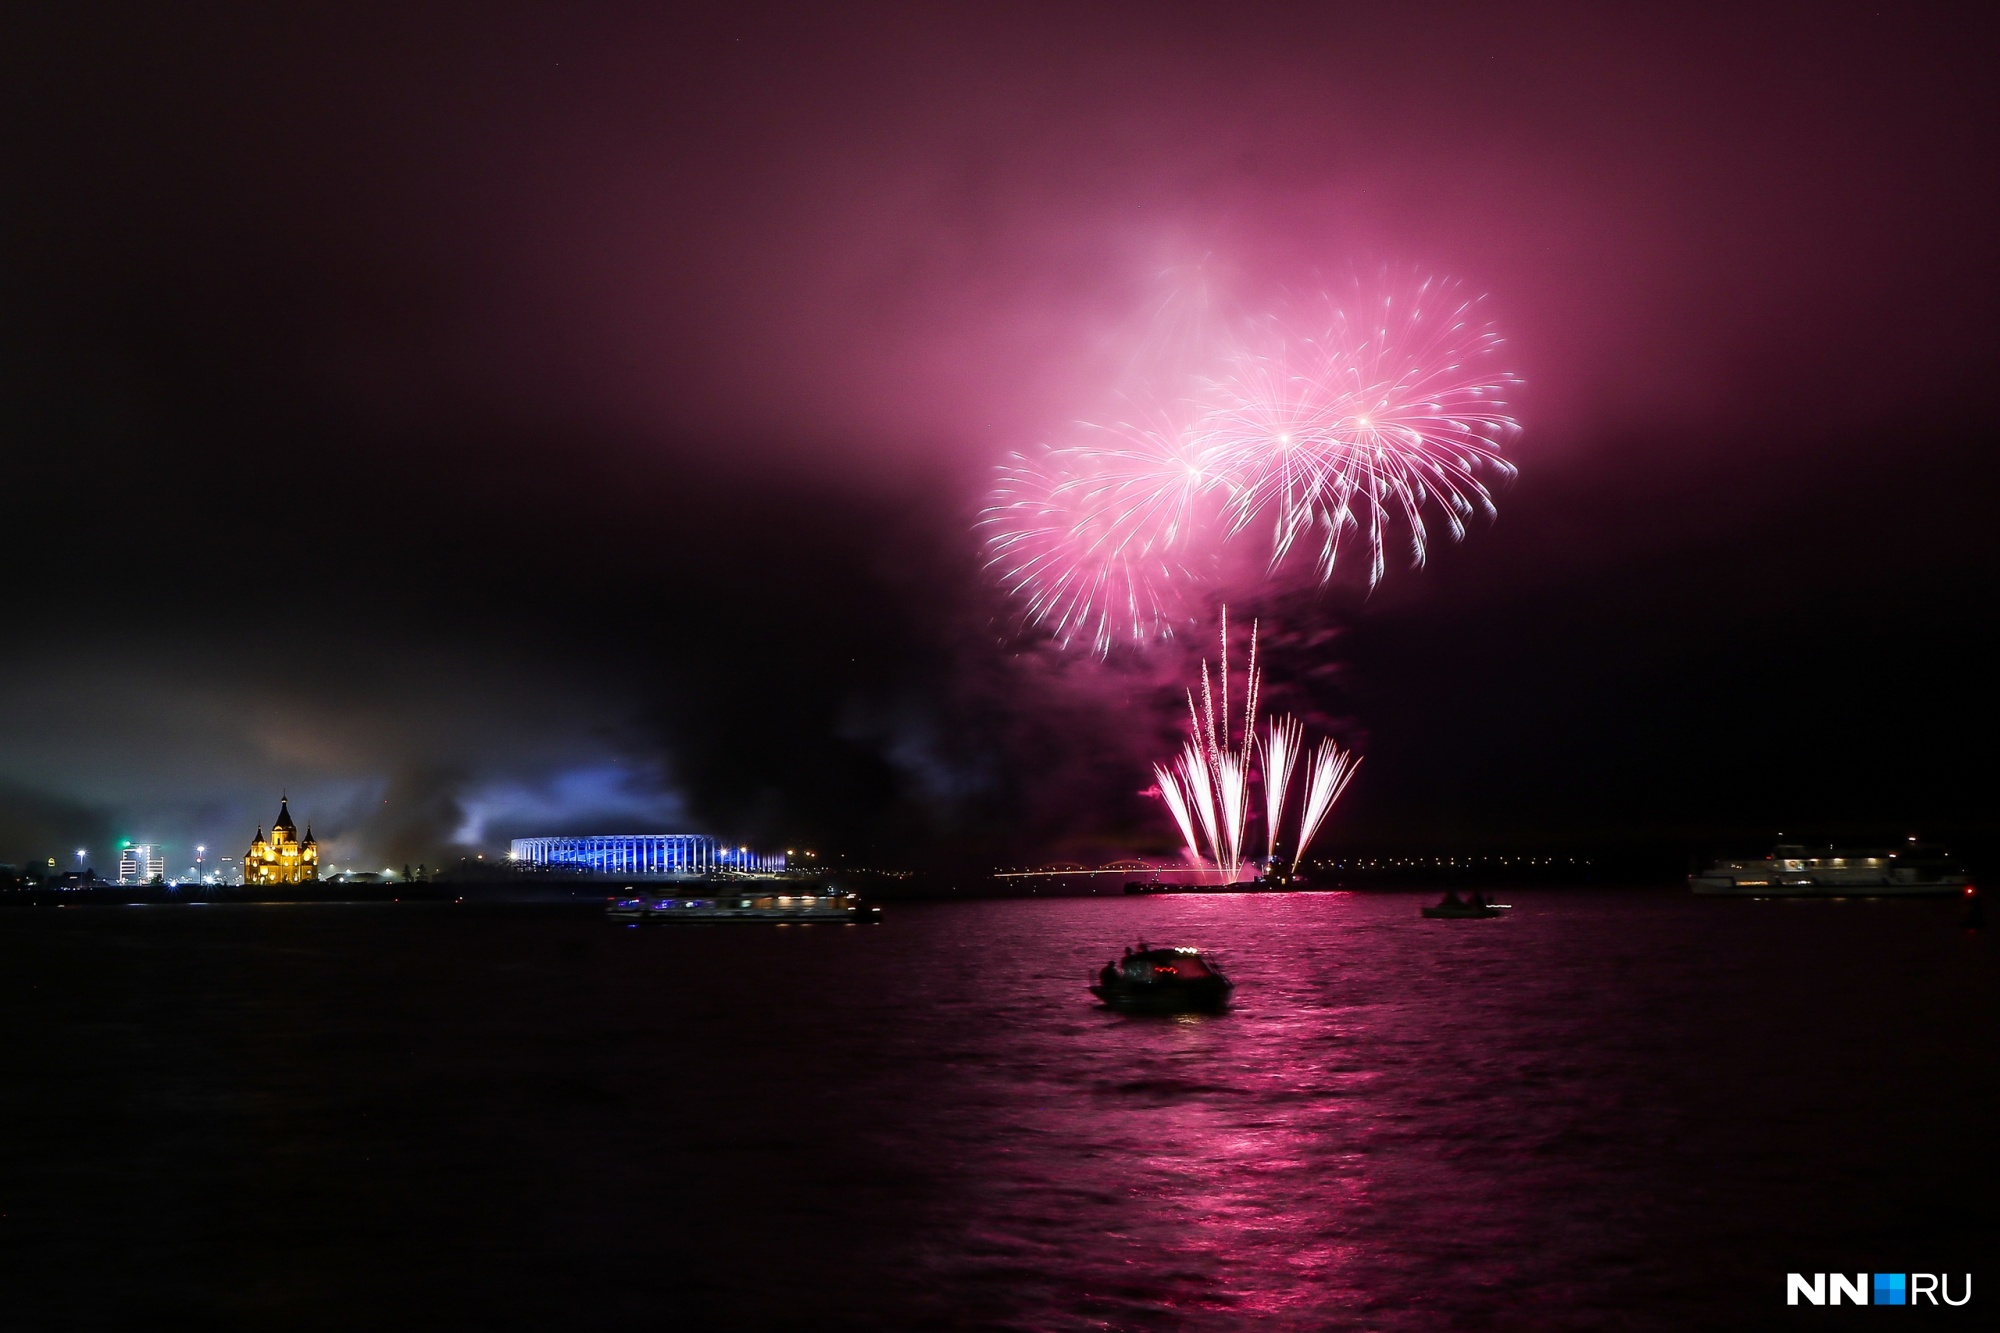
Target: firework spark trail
1170, 791
1208, 716
1234, 786
1200, 782
1281, 750
1208, 784
1252, 681
1231, 789
1191, 793
1229, 759
1223, 660
1327, 775
1334, 420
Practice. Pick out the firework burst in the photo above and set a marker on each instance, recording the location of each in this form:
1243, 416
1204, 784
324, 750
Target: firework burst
1101, 542
1328, 427
1344, 424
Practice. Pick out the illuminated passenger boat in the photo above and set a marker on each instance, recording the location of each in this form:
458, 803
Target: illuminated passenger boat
1791, 871
1163, 981
725, 901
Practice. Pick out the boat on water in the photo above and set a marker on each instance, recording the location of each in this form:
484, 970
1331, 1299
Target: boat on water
1455, 908
1794, 871
702, 902
1163, 981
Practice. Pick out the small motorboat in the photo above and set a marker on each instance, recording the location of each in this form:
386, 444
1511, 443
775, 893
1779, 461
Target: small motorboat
1455, 908
1163, 981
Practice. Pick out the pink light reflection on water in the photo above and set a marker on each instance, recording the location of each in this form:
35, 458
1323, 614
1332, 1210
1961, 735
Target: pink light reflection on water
1609, 1109
1233, 1164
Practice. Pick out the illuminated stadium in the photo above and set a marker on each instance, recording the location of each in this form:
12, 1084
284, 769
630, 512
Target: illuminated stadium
635, 855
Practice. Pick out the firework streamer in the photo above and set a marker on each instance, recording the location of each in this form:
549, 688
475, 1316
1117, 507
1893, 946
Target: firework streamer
1208, 732
1282, 743
1222, 665
1215, 766
1206, 787
1229, 757
1172, 793
1252, 684
1200, 783
1231, 792
1327, 775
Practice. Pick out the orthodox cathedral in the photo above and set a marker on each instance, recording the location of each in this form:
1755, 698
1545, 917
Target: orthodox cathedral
285, 858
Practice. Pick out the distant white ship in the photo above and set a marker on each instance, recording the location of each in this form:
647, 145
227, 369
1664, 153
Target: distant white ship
1793, 871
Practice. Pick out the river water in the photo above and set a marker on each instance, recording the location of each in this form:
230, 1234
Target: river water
1606, 1110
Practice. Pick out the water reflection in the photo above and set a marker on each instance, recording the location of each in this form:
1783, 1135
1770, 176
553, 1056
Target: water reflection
1400, 1122
1601, 1110
1220, 1163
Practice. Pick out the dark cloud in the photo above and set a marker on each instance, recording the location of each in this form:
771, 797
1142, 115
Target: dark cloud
482, 418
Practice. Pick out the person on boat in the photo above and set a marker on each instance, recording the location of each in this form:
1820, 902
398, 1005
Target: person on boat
1109, 976
1451, 899
1476, 899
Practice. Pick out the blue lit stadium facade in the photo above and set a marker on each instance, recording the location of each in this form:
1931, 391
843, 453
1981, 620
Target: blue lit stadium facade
642, 854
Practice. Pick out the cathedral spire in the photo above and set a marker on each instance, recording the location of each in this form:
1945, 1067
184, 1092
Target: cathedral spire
284, 859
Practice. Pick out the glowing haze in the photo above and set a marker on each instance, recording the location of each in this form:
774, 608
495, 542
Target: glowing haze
1330, 428
646, 368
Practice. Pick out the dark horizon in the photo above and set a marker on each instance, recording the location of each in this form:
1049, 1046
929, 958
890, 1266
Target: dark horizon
541, 424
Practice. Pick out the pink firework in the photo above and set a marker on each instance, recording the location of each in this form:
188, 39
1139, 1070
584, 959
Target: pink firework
1340, 425
1329, 427
1206, 787
1103, 542
1282, 742
1208, 784
1327, 775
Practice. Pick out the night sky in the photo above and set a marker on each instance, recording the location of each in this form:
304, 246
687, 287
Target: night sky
482, 421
